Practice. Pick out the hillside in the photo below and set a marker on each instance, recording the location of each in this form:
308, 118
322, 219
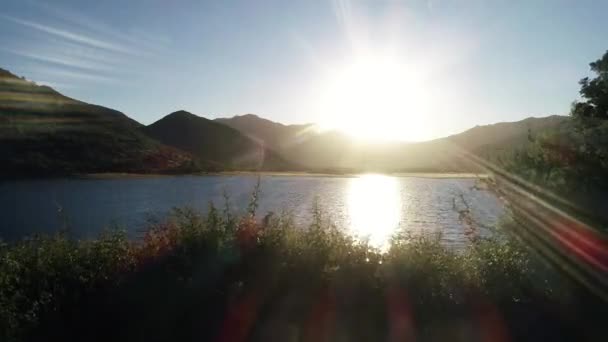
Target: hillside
318, 151
43, 132
332, 150
274, 135
490, 142
215, 143
505, 134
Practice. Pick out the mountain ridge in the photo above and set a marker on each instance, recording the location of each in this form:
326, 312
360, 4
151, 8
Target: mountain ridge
214, 142
333, 150
45, 132
275, 135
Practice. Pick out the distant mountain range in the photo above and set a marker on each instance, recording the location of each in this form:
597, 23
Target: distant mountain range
336, 151
45, 133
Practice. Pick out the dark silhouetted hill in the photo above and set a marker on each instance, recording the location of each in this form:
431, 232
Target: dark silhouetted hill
45, 133
213, 142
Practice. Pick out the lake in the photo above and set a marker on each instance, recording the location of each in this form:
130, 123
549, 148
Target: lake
374, 206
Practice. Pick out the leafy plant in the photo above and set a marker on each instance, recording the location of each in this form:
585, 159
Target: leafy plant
263, 276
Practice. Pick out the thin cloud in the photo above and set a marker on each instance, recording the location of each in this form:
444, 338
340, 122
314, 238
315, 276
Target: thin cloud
134, 37
75, 37
80, 51
76, 75
61, 60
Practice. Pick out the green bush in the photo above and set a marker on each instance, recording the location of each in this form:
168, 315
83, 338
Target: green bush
223, 277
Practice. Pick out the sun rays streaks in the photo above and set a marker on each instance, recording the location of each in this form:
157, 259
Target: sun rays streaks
563, 241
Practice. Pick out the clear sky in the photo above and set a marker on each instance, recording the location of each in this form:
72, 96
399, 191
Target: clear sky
463, 62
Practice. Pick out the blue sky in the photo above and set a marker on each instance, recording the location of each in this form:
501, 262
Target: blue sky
481, 61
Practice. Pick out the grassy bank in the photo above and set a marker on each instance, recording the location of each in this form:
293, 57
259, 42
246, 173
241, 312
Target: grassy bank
224, 278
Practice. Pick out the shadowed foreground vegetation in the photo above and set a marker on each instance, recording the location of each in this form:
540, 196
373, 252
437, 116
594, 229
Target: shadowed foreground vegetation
225, 278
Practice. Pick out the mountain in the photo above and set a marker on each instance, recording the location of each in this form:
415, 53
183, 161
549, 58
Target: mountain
215, 143
43, 132
335, 151
505, 134
273, 134
463, 151
496, 141
304, 144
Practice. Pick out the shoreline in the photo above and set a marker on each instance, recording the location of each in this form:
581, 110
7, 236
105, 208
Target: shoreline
434, 175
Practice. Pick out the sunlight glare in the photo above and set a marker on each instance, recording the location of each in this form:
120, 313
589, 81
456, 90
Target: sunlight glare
376, 98
374, 206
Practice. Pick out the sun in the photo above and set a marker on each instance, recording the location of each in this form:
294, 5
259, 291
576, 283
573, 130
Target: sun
375, 98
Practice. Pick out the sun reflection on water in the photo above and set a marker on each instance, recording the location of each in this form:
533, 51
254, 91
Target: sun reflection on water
374, 207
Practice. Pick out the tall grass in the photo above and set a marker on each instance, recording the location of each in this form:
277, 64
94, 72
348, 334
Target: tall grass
223, 277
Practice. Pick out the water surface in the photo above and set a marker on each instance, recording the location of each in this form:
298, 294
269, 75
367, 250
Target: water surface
374, 206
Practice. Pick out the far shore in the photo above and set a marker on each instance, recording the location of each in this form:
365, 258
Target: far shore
439, 175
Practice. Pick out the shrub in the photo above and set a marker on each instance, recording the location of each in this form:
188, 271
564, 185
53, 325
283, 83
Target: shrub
223, 277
